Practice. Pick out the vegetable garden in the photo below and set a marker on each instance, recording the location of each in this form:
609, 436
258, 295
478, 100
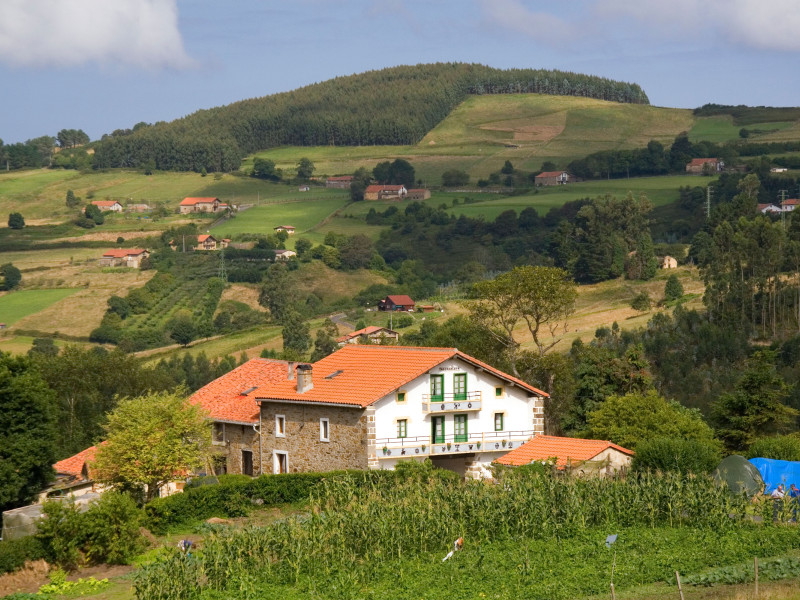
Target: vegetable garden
534, 536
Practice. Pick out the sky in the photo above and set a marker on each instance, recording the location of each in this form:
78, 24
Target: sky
101, 65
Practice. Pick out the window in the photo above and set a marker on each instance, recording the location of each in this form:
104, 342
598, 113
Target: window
499, 391
460, 427
460, 386
401, 397
218, 434
280, 426
437, 430
324, 430
402, 428
437, 388
498, 421
280, 462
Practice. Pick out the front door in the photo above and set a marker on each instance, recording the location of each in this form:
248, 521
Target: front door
247, 462
460, 386
437, 430
280, 462
437, 388
460, 427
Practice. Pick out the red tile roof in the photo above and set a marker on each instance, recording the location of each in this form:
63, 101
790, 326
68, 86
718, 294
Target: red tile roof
698, 162
193, 201
105, 202
400, 299
341, 178
550, 173
123, 252
384, 188
791, 201
565, 449
223, 398
202, 238
359, 376
73, 465
366, 331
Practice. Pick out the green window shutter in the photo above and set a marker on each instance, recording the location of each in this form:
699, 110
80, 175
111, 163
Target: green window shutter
460, 386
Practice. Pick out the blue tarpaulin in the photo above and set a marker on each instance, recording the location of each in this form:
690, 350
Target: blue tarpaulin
775, 472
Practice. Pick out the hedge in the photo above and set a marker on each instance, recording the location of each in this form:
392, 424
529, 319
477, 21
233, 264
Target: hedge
15, 553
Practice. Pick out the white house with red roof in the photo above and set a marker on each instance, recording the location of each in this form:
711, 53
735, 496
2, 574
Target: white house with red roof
700, 166
385, 192
789, 204
372, 334
553, 178
111, 205
370, 406
597, 457
289, 229
206, 241
190, 205
125, 257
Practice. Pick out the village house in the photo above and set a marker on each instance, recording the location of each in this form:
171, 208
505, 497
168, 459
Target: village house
281, 254
704, 166
396, 302
370, 406
372, 334
553, 178
201, 205
789, 205
418, 194
385, 192
105, 205
582, 457
340, 182
287, 228
124, 257
668, 262
768, 208
304, 188
139, 208
206, 241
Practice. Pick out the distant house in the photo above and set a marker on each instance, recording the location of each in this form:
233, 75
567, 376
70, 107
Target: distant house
789, 205
668, 262
418, 194
287, 228
700, 166
340, 183
138, 207
372, 334
553, 178
124, 257
111, 205
385, 192
396, 302
768, 208
598, 457
778, 170
304, 188
190, 205
206, 242
284, 254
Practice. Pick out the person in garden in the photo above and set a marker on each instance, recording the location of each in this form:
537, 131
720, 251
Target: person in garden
777, 501
794, 495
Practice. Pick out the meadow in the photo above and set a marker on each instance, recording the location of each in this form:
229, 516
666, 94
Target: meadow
19, 304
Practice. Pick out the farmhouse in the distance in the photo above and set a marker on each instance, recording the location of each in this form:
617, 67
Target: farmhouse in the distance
702, 166
201, 205
396, 302
287, 228
385, 192
111, 205
341, 182
553, 178
372, 335
124, 257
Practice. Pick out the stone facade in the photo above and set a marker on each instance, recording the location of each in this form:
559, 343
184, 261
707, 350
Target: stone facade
306, 451
235, 439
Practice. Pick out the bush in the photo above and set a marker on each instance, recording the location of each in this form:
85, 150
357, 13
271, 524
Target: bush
111, 529
779, 447
677, 455
60, 532
15, 553
641, 302
673, 289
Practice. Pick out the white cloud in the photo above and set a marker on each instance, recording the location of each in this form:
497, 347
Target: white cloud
538, 25
142, 33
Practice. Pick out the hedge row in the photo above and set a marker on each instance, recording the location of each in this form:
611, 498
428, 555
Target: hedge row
15, 553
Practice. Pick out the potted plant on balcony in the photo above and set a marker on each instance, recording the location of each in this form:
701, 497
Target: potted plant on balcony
504, 443
423, 447
385, 450
449, 445
478, 445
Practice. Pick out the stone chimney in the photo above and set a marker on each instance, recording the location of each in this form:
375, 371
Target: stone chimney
290, 373
304, 382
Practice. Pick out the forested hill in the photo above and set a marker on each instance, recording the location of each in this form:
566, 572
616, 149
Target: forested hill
398, 105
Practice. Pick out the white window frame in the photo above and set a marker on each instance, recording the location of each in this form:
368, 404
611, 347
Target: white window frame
324, 429
276, 464
280, 424
214, 440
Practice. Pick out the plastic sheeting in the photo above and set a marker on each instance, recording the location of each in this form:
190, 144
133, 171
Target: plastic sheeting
739, 474
775, 472
21, 522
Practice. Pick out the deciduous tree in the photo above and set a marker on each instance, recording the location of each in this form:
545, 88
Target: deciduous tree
16, 221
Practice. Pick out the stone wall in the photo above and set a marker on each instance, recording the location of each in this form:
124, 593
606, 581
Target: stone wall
347, 435
238, 438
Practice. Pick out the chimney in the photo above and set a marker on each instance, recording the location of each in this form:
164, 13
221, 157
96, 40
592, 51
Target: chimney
290, 366
304, 382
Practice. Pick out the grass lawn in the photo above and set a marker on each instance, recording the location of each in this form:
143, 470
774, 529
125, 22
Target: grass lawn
721, 128
19, 304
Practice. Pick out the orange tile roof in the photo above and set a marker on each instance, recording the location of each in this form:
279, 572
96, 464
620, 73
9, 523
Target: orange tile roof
565, 449
400, 299
223, 398
123, 252
366, 331
341, 178
696, 162
550, 173
361, 375
791, 201
193, 201
73, 465
105, 202
203, 237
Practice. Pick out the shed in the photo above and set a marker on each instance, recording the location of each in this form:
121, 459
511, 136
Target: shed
598, 457
396, 302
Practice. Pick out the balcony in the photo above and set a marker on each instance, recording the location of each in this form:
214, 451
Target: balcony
447, 403
489, 441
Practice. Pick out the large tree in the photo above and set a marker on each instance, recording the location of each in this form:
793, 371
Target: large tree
305, 168
16, 221
11, 276
27, 432
152, 440
540, 298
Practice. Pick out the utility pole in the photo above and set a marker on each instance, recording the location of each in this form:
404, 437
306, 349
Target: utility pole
782, 194
222, 274
709, 193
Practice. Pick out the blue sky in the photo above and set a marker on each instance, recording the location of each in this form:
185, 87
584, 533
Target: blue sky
100, 65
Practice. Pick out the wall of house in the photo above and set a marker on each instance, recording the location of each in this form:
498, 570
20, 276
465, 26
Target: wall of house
238, 438
346, 448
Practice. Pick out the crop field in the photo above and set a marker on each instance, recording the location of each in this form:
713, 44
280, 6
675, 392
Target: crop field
17, 305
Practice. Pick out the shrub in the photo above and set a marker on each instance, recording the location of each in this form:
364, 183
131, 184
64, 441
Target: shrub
60, 532
673, 289
779, 447
641, 302
15, 553
677, 455
111, 529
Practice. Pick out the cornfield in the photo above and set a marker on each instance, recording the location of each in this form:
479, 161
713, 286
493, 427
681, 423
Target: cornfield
358, 524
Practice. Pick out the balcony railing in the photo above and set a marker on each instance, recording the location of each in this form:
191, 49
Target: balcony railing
469, 401
489, 441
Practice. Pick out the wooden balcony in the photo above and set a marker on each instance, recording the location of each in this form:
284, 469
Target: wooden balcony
489, 441
448, 403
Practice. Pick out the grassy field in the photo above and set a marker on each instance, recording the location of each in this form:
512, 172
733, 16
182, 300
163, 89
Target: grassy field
17, 305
